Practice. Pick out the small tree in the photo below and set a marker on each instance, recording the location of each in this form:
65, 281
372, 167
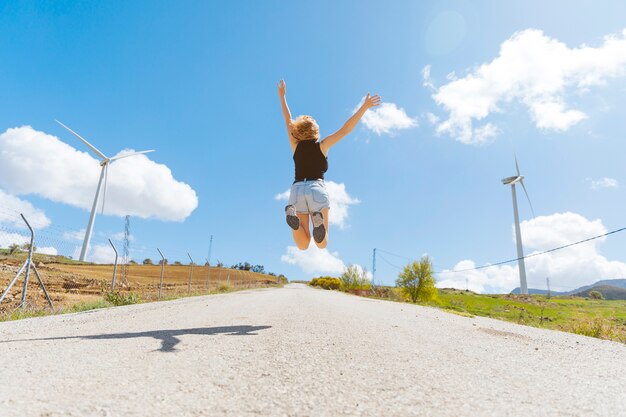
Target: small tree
163, 261
354, 278
147, 261
13, 248
596, 295
417, 282
26, 247
177, 263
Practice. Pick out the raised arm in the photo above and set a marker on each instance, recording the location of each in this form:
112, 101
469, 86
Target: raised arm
282, 91
329, 141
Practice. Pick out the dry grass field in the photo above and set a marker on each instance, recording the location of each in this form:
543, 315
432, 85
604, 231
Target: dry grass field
70, 284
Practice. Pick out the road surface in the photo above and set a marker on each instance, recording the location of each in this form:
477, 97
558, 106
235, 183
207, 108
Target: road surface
298, 351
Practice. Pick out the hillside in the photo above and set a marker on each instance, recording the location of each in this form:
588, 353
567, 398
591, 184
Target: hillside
609, 292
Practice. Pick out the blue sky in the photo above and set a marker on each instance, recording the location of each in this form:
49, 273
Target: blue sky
196, 81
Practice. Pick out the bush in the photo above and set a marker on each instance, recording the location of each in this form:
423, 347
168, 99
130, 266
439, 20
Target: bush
416, 281
597, 327
354, 278
147, 261
223, 288
119, 299
596, 295
328, 283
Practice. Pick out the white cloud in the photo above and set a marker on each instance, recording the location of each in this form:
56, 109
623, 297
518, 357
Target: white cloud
46, 250
11, 207
9, 238
340, 202
282, 196
532, 69
387, 118
495, 279
119, 237
567, 269
428, 83
602, 183
78, 235
314, 261
101, 254
432, 118
32, 162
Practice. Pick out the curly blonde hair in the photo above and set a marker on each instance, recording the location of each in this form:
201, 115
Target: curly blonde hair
305, 128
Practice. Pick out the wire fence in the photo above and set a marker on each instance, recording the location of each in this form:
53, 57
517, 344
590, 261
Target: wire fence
153, 274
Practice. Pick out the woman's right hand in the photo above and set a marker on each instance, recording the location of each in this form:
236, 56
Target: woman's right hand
282, 88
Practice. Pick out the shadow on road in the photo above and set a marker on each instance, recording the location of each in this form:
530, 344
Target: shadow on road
169, 338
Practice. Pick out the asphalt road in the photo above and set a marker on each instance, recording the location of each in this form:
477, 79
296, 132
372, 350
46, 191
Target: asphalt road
298, 351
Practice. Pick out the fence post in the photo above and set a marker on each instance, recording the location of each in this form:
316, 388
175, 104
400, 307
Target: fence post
207, 284
27, 265
162, 270
190, 275
114, 266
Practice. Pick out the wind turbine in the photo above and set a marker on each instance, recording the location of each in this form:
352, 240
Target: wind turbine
519, 178
104, 175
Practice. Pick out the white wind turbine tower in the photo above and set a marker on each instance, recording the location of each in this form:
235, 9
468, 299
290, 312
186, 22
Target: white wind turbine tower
519, 178
104, 175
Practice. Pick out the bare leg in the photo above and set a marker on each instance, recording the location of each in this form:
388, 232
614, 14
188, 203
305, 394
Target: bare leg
302, 236
324, 242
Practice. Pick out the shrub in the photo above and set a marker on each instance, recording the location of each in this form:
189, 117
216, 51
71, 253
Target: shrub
328, 283
416, 281
119, 299
147, 261
596, 295
354, 278
598, 327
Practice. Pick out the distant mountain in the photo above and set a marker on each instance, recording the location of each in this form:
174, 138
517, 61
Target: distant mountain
609, 292
619, 283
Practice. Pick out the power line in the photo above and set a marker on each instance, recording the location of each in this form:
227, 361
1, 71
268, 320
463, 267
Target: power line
389, 263
532, 254
392, 254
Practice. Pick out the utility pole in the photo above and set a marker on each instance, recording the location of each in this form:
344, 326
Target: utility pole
548, 284
373, 267
126, 250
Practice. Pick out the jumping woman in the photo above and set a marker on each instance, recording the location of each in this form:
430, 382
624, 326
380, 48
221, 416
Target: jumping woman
308, 197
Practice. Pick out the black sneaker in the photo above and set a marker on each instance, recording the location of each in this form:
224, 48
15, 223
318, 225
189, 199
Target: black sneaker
292, 220
319, 230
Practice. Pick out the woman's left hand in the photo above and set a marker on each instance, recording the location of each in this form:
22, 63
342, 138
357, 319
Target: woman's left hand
371, 101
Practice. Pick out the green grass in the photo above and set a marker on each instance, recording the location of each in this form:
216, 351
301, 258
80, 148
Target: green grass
597, 318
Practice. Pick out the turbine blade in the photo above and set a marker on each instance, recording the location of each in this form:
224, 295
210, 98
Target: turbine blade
126, 155
516, 165
526, 192
106, 184
93, 148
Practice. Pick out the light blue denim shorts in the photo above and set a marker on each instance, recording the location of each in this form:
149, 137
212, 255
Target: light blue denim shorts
309, 196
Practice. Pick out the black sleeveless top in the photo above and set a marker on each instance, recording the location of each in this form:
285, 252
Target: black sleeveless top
311, 164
